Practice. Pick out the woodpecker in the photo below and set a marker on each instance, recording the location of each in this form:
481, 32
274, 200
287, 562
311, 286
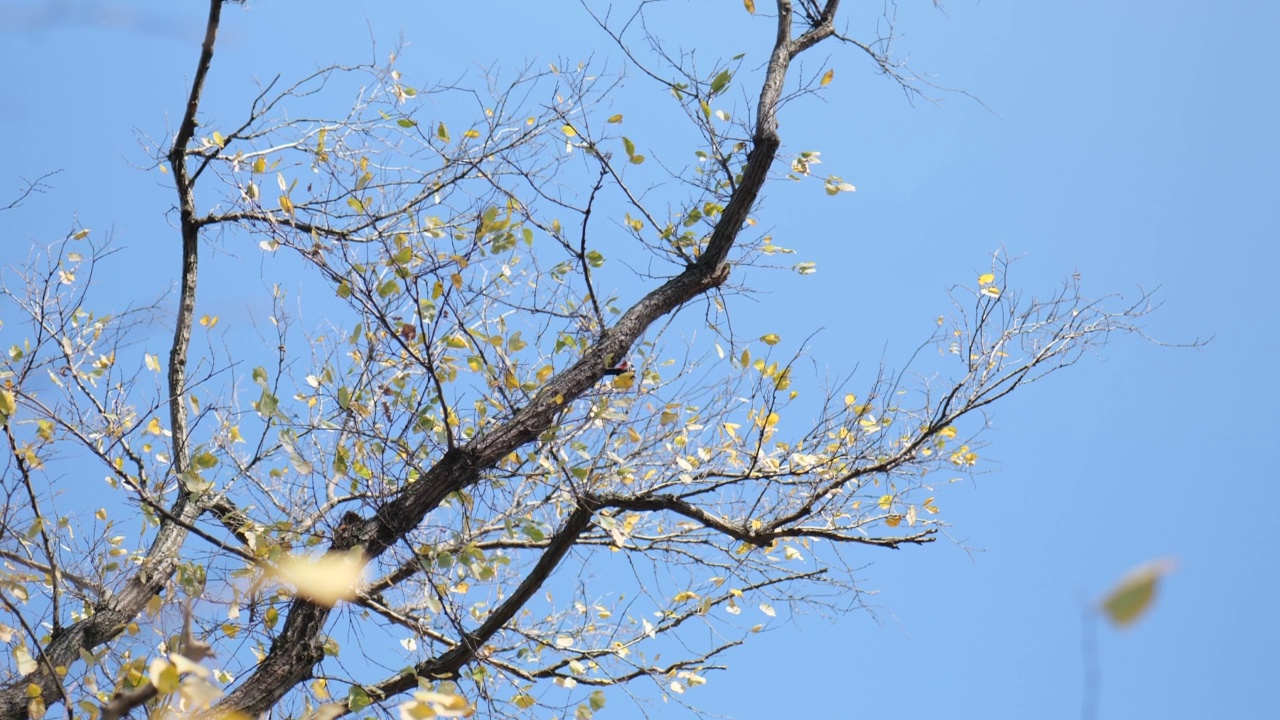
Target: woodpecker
625, 367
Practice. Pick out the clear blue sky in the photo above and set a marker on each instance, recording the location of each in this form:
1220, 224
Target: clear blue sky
1133, 143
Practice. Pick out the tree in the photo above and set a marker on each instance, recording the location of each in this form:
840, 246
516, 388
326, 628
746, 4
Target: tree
445, 462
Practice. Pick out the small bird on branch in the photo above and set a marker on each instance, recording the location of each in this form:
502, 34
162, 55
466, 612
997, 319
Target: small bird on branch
625, 367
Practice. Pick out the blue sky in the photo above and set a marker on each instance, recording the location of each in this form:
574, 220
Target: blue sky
1132, 143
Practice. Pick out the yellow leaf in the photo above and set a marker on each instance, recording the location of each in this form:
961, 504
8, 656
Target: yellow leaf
260, 164
471, 134
26, 663
986, 278
153, 427
615, 119
893, 520
886, 501
544, 372
456, 279
750, 5
948, 432
770, 339
625, 381
569, 131
219, 140
286, 204
1131, 598
993, 291
326, 579
164, 675
8, 405
826, 77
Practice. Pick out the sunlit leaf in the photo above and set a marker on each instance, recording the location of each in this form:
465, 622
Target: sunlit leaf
25, 663
750, 5
826, 77
8, 405
325, 580
163, 675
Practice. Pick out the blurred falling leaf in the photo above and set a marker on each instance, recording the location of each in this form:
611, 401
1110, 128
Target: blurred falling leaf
1132, 596
326, 579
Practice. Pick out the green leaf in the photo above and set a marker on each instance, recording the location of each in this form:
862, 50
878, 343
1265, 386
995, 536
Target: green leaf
406, 123
205, 460
267, 404
358, 699
442, 132
629, 146
1131, 597
389, 288
720, 82
596, 700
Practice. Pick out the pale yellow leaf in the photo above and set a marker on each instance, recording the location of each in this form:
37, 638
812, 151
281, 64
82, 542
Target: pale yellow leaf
325, 580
